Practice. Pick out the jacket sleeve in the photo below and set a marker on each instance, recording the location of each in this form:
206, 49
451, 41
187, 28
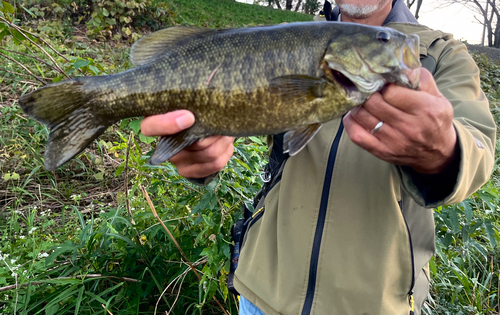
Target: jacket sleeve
457, 78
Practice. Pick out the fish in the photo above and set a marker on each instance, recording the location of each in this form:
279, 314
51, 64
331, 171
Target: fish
287, 78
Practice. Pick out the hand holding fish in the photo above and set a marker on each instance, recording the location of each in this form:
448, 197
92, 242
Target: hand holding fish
417, 130
202, 158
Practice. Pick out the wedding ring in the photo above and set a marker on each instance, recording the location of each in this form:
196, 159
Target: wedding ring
378, 126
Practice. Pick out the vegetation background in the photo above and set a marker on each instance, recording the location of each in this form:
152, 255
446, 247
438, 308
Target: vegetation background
86, 240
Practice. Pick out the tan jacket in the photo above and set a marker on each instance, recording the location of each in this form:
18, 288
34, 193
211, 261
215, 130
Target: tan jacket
346, 233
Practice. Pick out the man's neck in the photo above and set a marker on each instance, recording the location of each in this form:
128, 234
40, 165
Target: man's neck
376, 19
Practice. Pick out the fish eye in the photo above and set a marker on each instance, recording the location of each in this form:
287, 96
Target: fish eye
383, 36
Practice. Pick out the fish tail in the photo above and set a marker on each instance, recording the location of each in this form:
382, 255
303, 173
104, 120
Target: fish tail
67, 108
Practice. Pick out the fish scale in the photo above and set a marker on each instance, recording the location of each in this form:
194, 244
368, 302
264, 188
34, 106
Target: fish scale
237, 82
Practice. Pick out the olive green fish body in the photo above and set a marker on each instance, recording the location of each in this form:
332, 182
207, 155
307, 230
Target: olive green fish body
239, 82
222, 72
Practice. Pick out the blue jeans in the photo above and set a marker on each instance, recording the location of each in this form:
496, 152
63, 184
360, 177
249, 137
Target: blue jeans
247, 307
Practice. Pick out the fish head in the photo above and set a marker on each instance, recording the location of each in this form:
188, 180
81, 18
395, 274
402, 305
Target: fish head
366, 59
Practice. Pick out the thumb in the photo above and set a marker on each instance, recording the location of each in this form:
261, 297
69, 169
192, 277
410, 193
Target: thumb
427, 83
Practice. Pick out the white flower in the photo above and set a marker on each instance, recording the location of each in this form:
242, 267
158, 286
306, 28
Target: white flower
13, 274
43, 255
32, 230
22, 237
12, 261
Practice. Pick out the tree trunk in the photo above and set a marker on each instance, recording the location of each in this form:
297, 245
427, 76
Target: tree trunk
297, 7
288, 5
419, 4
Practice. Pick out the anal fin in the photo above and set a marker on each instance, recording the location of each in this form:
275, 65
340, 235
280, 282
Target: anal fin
295, 140
168, 146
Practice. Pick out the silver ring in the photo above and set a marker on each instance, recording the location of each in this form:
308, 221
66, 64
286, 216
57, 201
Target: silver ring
377, 127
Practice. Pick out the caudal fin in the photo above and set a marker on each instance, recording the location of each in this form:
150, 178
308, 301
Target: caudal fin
67, 109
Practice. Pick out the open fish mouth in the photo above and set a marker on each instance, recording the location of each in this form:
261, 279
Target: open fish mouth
347, 84
368, 80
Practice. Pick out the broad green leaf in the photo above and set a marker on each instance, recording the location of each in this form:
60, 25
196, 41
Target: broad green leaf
455, 225
490, 232
255, 139
468, 210
80, 63
146, 139
207, 201
135, 125
99, 176
105, 12
94, 69
7, 7
17, 35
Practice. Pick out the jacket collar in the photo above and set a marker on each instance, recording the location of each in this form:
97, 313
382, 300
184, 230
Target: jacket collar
399, 13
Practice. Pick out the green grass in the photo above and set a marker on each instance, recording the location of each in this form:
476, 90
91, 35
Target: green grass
228, 13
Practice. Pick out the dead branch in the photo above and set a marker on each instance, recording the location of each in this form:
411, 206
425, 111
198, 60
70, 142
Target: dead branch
40, 79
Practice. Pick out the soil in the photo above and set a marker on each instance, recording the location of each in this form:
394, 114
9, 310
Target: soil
491, 53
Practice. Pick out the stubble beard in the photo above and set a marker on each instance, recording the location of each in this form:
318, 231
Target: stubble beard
361, 11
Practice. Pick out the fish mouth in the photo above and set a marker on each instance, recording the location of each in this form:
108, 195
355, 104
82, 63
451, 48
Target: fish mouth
411, 61
367, 80
347, 84
356, 88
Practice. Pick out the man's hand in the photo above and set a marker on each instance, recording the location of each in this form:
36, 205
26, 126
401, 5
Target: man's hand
201, 159
417, 130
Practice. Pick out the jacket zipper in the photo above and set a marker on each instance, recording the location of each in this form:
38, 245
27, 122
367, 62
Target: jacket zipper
254, 218
410, 293
313, 266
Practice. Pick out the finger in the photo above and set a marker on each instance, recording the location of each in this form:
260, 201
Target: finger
201, 170
427, 83
364, 118
167, 124
411, 101
206, 155
379, 108
359, 135
205, 143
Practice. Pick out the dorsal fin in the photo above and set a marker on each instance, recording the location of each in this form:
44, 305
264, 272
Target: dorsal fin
149, 47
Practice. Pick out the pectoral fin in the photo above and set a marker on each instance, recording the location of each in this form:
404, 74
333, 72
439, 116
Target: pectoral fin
168, 146
298, 87
295, 140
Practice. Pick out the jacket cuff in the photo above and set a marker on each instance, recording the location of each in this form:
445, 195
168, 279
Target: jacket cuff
203, 181
470, 169
431, 190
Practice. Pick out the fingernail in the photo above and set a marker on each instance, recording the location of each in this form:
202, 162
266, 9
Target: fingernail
185, 121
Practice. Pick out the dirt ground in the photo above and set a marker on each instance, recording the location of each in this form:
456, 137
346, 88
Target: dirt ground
491, 53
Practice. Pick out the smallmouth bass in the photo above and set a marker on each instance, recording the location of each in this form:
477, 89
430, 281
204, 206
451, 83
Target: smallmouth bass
237, 82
